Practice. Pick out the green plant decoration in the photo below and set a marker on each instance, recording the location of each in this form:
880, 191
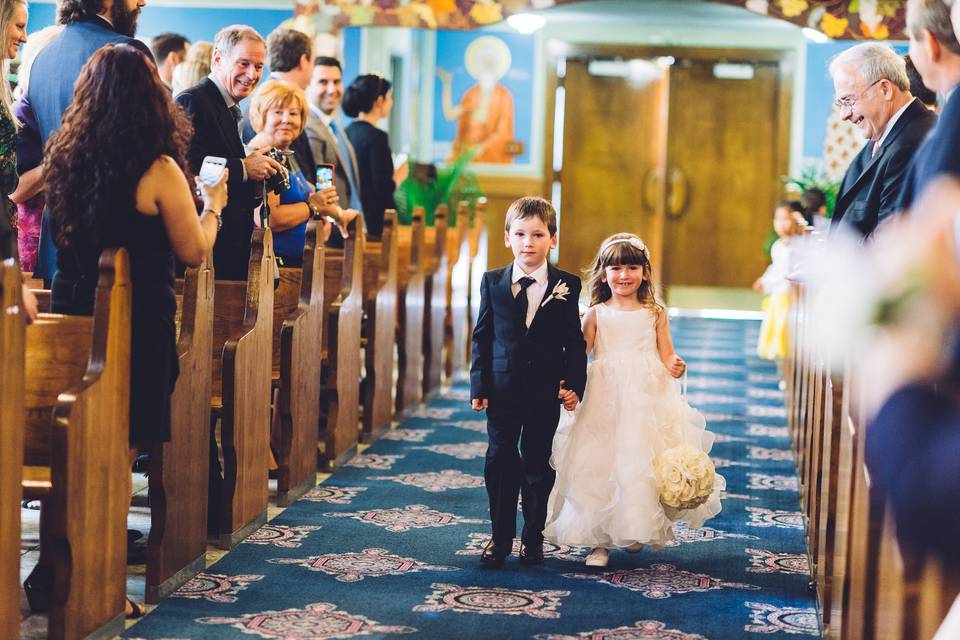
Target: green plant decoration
428, 186
813, 177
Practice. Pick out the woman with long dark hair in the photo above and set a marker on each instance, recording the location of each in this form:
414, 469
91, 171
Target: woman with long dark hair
116, 176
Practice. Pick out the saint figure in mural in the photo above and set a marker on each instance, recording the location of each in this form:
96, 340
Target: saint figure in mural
485, 114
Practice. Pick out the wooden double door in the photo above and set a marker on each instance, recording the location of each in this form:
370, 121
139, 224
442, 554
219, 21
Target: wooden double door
686, 147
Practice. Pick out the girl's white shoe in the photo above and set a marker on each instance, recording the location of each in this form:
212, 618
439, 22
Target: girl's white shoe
636, 547
598, 557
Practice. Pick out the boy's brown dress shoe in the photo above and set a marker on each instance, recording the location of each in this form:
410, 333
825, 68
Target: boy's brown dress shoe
531, 554
494, 555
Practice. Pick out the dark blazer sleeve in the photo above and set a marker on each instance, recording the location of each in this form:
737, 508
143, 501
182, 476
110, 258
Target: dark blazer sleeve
381, 165
574, 346
911, 452
482, 345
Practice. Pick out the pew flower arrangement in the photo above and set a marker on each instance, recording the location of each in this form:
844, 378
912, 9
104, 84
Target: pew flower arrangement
685, 477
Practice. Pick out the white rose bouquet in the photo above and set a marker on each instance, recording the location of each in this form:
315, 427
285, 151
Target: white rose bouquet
685, 477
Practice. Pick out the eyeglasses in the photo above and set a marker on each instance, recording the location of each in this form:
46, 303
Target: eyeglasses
847, 102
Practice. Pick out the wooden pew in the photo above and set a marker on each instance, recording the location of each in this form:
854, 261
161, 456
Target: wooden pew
379, 328
343, 309
242, 340
478, 266
77, 454
436, 272
12, 419
297, 356
457, 299
410, 298
177, 545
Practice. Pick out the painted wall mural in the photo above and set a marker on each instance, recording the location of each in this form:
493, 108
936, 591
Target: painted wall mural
839, 19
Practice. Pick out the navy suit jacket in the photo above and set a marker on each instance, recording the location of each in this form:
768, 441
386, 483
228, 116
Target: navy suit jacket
53, 76
215, 134
939, 154
516, 366
872, 186
911, 451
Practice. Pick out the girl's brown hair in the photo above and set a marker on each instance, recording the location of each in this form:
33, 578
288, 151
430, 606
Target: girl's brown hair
617, 250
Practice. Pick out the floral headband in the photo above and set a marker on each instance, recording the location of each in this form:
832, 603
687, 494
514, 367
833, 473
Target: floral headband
634, 242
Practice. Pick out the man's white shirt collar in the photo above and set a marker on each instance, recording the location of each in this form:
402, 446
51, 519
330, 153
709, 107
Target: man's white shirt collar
324, 118
539, 274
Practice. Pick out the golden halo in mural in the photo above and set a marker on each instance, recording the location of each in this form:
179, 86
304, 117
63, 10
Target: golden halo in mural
487, 56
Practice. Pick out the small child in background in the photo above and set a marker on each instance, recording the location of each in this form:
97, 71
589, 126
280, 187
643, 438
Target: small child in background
788, 224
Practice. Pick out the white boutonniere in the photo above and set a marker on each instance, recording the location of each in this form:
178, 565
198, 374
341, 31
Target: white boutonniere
560, 292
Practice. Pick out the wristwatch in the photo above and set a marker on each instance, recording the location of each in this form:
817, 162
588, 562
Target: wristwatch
218, 216
314, 212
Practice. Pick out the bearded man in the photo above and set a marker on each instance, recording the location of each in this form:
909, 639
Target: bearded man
88, 25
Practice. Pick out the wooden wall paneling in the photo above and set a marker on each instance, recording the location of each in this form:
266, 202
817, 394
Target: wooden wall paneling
243, 340
77, 394
411, 291
435, 301
343, 292
12, 419
179, 469
379, 330
297, 344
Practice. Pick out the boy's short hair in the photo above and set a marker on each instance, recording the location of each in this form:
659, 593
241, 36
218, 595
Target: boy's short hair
532, 207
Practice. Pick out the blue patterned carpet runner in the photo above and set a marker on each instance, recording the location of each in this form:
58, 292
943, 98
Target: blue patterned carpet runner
389, 545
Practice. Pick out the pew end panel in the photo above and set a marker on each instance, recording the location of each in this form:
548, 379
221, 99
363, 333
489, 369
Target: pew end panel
458, 284
298, 340
12, 420
410, 312
435, 301
179, 469
78, 400
379, 330
477, 239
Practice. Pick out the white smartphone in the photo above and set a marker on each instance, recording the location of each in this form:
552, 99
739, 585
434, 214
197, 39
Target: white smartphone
212, 169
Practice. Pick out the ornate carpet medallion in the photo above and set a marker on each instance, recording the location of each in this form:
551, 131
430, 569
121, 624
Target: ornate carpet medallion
214, 587
777, 483
332, 494
479, 426
763, 453
660, 581
764, 561
316, 621
683, 534
278, 535
493, 600
770, 619
766, 411
475, 544
462, 451
382, 462
402, 519
457, 394
760, 517
433, 413
701, 382
764, 430
736, 496
723, 463
642, 630
762, 378
700, 398
714, 367
406, 435
437, 481
723, 437
713, 416
767, 394
354, 566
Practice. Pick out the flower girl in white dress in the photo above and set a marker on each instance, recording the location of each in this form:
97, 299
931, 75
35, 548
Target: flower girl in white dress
632, 460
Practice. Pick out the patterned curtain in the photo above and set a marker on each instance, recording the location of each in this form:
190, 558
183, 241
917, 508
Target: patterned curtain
839, 19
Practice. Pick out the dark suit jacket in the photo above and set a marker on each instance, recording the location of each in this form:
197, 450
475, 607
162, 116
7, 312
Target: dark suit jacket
911, 453
375, 164
939, 154
514, 366
871, 189
215, 134
53, 76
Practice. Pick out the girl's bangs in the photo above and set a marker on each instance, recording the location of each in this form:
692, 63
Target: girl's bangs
622, 253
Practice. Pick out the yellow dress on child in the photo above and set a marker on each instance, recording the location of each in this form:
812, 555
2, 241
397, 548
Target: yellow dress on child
774, 338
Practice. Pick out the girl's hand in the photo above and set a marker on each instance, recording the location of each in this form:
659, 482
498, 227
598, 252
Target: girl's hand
757, 286
479, 404
677, 366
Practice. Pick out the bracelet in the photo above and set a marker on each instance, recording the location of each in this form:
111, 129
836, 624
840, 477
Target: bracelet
314, 211
216, 214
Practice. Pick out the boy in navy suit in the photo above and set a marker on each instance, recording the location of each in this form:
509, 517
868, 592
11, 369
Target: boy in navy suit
529, 356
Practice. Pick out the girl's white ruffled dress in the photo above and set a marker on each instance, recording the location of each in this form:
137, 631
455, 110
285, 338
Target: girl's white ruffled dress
606, 493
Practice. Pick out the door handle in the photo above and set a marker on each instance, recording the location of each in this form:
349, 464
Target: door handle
678, 193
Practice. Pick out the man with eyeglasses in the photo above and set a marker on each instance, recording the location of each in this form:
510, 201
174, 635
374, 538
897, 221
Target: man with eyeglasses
936, 53
873, 92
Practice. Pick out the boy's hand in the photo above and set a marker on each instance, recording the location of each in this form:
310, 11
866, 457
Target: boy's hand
567, 397
479, 404
677, 366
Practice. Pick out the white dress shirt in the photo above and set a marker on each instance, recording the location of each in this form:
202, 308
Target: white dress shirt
534, 292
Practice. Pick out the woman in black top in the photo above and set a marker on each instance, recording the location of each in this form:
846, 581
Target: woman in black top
369, 99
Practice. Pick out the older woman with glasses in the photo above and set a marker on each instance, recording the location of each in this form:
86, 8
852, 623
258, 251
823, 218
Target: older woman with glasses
278, 115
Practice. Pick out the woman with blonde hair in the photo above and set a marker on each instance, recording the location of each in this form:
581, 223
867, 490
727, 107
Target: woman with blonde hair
195, 68
278, 113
